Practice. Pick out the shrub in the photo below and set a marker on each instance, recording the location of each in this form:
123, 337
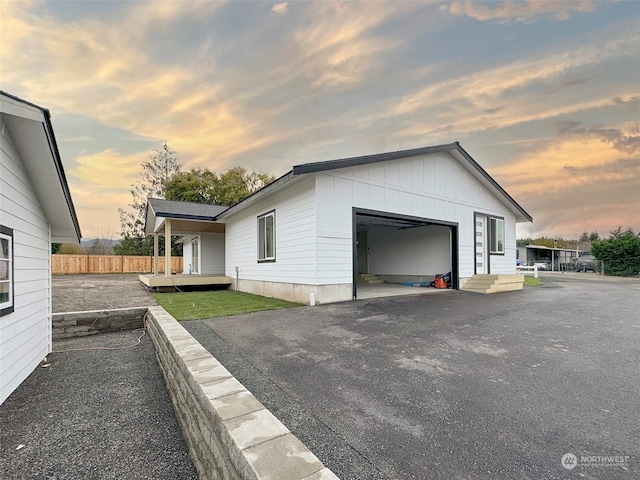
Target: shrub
620, 253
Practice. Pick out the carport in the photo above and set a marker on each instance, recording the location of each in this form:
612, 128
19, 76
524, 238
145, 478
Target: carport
401, 248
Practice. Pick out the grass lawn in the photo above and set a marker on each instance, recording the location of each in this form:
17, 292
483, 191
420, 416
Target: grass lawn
220, 303
532, 282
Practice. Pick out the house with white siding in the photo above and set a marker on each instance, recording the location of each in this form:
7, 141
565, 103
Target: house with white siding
312, 234
35, 210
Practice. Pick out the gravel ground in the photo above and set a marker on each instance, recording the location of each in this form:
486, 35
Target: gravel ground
99, 414
77, 293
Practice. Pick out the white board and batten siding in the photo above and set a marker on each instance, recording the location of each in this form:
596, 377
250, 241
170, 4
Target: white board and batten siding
211, 258
25, 334
295, 227
433, 186
213, 262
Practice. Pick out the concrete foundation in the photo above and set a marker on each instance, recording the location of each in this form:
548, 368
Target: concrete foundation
297, 292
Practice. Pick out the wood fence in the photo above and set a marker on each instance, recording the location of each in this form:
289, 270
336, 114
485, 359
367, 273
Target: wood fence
108, 264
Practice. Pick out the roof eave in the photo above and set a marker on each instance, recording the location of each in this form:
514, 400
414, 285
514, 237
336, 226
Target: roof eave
61, 175
65, 229
521, 215
369, 159
184, 216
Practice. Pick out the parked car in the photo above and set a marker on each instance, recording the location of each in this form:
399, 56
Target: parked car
586, 263
540, 265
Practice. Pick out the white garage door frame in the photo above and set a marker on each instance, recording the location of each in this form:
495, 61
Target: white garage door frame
409, 221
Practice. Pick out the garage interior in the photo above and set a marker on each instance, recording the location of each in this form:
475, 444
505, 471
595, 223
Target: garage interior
392, 250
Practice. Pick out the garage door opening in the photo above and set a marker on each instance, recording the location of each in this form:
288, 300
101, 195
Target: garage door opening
391, 250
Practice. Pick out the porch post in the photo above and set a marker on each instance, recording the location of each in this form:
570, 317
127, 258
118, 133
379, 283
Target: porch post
167, 247
156, 260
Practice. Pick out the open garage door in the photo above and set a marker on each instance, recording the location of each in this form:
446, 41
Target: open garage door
398, 248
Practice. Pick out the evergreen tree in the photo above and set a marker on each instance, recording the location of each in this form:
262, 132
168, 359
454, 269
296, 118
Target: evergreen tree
620, 252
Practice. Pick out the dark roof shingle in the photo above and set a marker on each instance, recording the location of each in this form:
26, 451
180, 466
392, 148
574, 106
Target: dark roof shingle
185, 210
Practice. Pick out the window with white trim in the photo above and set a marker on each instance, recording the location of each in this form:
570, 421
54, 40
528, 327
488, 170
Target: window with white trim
6, 270
496, 234
267, 237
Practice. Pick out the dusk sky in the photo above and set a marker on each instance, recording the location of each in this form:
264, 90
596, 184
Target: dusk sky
545, 95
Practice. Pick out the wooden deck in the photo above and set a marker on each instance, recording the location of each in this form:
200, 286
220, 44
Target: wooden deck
160, 281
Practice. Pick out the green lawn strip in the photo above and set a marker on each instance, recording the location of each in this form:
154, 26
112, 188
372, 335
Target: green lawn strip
220, 303
532, 282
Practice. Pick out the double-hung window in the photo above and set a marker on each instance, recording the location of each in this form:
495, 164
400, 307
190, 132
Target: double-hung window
6, 270
496, 234
267, 237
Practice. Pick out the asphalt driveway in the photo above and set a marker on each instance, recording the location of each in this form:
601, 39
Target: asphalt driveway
456, 385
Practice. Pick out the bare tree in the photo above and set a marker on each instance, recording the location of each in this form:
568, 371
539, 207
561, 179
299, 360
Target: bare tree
156, 173
103, 244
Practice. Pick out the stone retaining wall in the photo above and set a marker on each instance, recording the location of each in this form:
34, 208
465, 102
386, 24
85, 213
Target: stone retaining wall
77, 324
230, 434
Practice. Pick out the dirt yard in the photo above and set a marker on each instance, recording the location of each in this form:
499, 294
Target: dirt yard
76, 293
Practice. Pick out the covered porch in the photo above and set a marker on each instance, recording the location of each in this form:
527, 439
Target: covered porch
203, 245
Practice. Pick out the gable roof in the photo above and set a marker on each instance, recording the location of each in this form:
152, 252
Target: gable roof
453, 148
185, 210
31, 130
178, 210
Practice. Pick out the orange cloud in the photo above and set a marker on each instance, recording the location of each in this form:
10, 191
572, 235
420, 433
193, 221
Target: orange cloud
575, 185
100, 184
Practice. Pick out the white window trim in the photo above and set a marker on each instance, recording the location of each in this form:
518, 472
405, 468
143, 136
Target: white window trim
494, 239
262, 235
7, 234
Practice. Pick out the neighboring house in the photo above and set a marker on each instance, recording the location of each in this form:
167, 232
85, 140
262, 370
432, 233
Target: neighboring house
35, 210
553, 258
404, 216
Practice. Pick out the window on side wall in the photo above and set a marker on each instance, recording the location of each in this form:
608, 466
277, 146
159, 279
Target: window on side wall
267, 237
6, 270
496, 227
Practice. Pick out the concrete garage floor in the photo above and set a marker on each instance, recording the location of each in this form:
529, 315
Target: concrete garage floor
379, 290
451, 386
